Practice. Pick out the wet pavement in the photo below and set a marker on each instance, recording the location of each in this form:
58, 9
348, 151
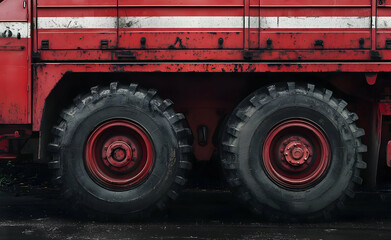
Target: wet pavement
198, 214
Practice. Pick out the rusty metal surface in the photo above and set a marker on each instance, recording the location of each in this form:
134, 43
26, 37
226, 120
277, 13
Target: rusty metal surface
182, 55
44, 83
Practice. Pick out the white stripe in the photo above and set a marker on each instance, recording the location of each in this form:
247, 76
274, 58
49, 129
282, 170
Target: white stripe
15, 27
181, 22
211, 22
237, 22
76, 22
383, 22
315, 22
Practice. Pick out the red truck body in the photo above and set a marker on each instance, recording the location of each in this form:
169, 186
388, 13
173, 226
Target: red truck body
206, 55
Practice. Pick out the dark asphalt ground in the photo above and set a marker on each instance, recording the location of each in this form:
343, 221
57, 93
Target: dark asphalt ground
197, 215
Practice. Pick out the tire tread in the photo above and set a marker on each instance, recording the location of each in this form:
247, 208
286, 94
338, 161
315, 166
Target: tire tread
144, 99
256, 101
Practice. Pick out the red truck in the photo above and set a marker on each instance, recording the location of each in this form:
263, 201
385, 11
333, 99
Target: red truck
259, 83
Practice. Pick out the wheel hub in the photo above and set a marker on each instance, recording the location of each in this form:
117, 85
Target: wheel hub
119, 154
296, 154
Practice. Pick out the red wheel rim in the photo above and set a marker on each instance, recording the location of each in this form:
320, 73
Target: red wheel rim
296, 154
119, 154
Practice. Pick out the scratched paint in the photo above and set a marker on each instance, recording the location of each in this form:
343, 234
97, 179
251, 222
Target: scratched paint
14, 63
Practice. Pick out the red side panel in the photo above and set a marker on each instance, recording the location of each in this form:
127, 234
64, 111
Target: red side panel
383, 25
308, 24
76, 3
14, 62
178, 24
183, 3
70, 25
12, 10
221, 30
314, 3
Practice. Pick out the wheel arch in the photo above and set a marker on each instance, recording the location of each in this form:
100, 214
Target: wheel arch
67, 85
59, 97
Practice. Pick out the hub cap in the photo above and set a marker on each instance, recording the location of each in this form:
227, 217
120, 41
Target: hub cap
296, 154
119, 154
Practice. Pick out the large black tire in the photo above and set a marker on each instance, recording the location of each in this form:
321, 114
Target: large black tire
244, 164
169, 136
